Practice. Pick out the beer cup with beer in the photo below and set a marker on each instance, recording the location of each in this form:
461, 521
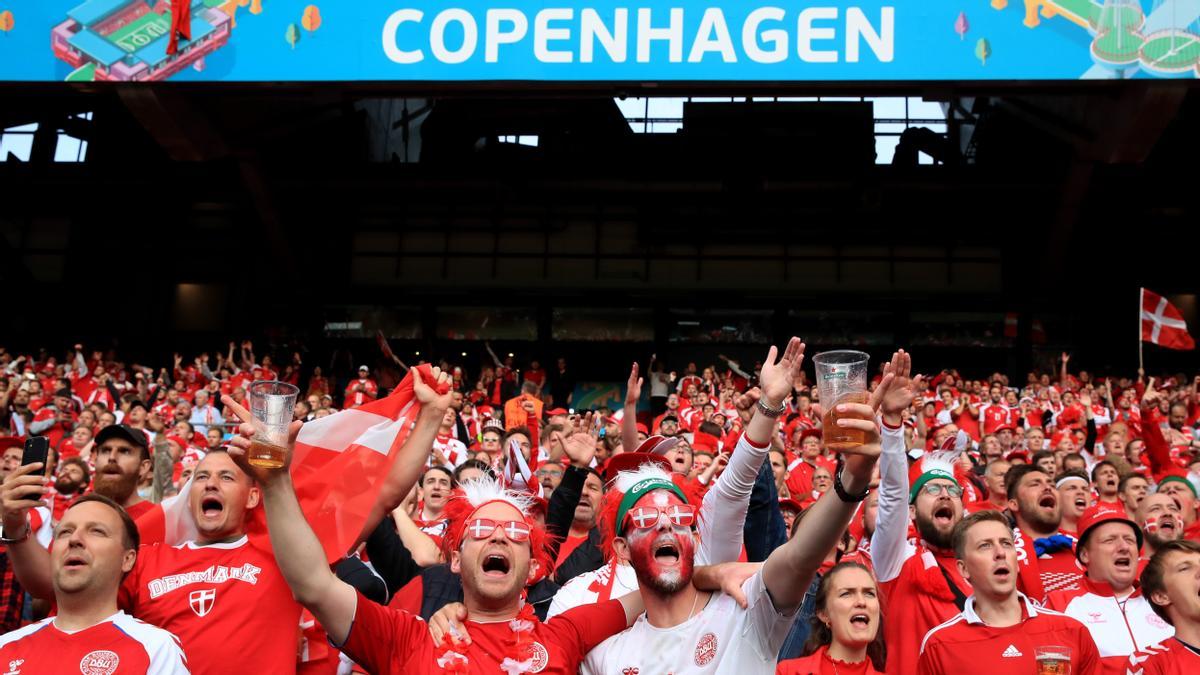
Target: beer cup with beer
841, 378
272, 404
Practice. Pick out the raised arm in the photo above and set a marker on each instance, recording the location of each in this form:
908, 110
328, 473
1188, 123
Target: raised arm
22, 490
723, 511
410, 461
889, 544
633, 392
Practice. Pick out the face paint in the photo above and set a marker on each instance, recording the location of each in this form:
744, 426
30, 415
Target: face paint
662, 556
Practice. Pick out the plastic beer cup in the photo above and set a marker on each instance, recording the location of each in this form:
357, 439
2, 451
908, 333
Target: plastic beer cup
841, 378
272, 404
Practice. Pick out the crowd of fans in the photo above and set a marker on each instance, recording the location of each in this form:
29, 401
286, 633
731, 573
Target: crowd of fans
1047, 524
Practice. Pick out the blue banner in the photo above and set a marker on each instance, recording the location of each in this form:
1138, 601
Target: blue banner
599, 40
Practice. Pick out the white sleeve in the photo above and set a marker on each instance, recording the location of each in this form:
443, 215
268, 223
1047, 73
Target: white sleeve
167, 658
723, 511
765, 627
889, 544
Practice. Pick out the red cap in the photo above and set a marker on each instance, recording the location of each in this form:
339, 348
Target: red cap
556, 411
809, 432
642, 428
1099, 514
790, 504
628, 461
7, 442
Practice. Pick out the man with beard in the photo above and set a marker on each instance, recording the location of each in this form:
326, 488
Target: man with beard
685, 630
73, 477
1171, 582
94, 548
1131, 491
1074, 494
1120, 619
1107, 481
1160, 520
121, 455
1046, 562
1000, 630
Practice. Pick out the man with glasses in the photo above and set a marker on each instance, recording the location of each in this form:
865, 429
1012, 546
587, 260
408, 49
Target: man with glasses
920, 581
549, 475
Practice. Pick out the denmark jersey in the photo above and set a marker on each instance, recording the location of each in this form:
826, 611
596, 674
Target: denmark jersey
966, 644
118, 645
1172, 657
1119, 627
228, 603
607, 582
722, 638
386, 641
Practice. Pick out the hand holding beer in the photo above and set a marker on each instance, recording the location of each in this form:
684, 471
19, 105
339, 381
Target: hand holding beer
842, 384
262, 449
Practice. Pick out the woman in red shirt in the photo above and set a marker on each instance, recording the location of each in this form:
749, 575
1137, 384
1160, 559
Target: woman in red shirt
845, 637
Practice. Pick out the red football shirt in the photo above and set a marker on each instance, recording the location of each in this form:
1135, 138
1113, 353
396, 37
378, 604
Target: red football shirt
119, 644
385, 641
227, 602
1172, 657
139, 509
965, 644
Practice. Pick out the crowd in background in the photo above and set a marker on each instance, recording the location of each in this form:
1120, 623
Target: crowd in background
1068, 495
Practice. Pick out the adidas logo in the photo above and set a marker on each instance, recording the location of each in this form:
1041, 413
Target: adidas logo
1012, 652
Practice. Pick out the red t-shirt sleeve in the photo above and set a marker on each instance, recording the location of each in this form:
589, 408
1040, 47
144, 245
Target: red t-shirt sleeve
579, 630
378, 634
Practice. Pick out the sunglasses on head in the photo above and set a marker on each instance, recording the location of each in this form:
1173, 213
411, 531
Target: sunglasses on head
483, 528
646, 517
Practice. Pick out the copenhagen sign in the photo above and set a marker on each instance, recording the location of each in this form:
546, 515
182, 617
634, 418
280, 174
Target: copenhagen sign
635, 41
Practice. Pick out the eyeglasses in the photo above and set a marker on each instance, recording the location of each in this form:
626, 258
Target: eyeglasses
482, 528
646, 517
935, 489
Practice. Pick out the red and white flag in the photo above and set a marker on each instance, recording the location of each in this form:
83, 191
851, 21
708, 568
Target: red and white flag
1163, 324
517, 473
339, 464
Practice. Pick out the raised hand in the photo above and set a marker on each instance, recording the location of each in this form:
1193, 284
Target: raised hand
427, 394
897, 389
633, 390
23, 489
775, 379
580, 443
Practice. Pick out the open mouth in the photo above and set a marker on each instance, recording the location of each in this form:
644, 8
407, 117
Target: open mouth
943, 515
1080, 503
1002, 573
1167, 524
1123, 563
211, 507
860, 621
666, 554
1048, 502
74, 562
495, 565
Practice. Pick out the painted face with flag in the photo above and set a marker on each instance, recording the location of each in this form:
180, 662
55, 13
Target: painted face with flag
654, 528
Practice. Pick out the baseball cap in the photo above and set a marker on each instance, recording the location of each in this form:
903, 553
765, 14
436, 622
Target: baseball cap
135, 436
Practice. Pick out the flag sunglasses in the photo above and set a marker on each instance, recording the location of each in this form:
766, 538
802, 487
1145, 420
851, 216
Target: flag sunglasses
646, 517
483, 528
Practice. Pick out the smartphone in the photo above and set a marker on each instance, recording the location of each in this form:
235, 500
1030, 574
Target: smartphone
37, 449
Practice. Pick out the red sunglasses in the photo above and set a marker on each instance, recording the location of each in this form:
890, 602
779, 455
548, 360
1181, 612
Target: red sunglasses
646, 517
482, 528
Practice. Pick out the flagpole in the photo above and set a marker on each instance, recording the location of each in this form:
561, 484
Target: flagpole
1141, 300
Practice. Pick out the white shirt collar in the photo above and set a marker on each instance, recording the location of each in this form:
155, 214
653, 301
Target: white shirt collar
973, 618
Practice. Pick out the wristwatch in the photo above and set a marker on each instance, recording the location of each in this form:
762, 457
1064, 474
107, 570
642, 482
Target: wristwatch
5, 540
770, 412
841, 489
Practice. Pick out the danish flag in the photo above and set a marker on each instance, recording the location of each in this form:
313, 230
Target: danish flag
1163, 324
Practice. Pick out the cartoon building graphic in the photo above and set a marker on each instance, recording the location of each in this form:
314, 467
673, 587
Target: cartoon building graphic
126, 40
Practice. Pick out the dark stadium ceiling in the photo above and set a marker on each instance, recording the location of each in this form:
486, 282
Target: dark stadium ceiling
1049, 177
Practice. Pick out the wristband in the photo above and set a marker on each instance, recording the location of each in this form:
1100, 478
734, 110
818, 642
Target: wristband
841, 489
772, 413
